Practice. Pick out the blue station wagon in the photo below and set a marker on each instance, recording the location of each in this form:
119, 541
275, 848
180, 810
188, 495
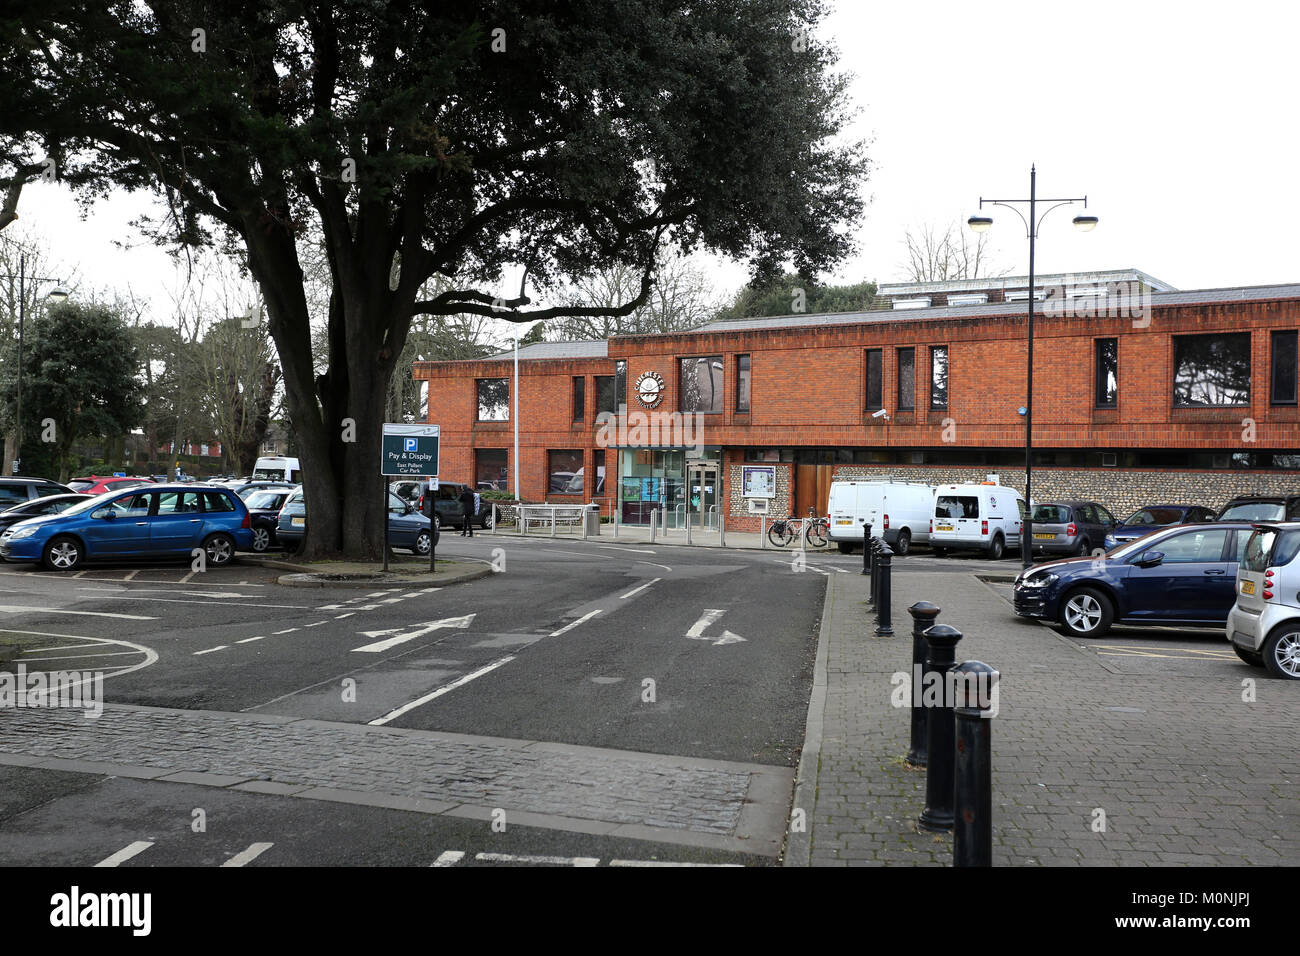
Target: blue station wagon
160, 521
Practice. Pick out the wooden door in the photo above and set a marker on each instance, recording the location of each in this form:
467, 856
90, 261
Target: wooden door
812, 489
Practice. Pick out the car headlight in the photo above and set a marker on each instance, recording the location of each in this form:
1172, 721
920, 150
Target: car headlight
22, 533
1041, 580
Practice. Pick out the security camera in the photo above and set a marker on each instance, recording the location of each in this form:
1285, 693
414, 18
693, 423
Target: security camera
881, 414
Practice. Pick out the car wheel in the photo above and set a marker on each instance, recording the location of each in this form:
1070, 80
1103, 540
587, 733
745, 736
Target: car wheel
488, 521
1253, 658
1082, 548
997, 548
63, 554
1087, 612
844, 546
219, 549
423, 543
261, 538
904, 543
1281, 652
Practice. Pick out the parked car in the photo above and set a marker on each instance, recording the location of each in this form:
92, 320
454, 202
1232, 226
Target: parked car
1264, 623
1070, 527
15, 490
980, 516
408, 488
1145, 520
1177, 576
1270, 508
161, 521
264, 507
49, 505
98, 484
246, 488
407, 528
899, 510
277, 468
447, 503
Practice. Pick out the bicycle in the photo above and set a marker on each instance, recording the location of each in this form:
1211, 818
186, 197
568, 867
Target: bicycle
787, 530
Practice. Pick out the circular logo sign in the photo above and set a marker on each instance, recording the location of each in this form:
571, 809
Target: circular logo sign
650, 389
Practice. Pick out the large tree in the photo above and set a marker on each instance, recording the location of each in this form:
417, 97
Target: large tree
461, 142
789, 294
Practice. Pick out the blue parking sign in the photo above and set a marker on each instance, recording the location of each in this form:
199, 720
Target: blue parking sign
409, 450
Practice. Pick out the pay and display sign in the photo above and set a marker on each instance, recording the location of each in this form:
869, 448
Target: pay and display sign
409, 450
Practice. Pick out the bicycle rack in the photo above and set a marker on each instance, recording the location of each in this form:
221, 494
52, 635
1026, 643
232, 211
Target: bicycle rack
677, 524
708, 516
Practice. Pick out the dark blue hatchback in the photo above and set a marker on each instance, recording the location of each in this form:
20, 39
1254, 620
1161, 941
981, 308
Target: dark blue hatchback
1183, 575
157, 521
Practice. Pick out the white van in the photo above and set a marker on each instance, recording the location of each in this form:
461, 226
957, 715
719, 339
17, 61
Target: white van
277, 468
899, 510
984, 517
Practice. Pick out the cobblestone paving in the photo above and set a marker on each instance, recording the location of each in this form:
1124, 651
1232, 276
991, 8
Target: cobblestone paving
537, 778
1185, 770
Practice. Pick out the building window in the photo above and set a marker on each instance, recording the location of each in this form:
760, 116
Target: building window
494, 399
565, 470
1212, 370
742, 384
1107, 373
875, 381
598, 465
491, 469
906, 380
939, 376
579, 398
700, 384
612, 389
1284, 367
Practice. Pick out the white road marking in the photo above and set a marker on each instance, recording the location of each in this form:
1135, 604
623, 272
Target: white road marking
150, 655
219, 647
548, 860
249, 640
623, 597
16, 609
619, 547
124, 854
95, 642
572, 625
339, 617
78, 657
287, 630
420, 630
245, 857
379, 594
710, 615
158, 600
131, 575
665, 863
449, 858
653, 565
396, 600
79, 574
315, 624
581, 554
211, 594
445, 689
186, 579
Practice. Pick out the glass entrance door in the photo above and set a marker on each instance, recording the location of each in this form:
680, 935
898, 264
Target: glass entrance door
702, 494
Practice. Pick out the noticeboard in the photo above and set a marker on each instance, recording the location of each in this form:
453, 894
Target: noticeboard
409, 450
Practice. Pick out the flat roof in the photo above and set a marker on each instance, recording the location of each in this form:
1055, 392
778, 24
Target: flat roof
598, 348
1021, 282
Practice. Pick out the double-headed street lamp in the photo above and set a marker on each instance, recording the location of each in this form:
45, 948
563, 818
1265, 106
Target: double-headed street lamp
982, 224
57, 294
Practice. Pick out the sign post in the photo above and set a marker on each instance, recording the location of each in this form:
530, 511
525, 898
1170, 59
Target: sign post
409, 451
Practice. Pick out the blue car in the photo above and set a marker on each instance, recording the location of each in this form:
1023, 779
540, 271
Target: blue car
1181, 576
158, 521
1146, 520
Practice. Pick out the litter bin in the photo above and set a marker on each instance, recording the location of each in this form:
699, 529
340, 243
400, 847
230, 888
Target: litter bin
591, 520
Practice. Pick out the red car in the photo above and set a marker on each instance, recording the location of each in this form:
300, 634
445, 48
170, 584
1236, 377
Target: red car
97, 484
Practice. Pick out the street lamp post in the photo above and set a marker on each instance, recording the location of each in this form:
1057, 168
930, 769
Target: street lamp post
982, 224
57, 294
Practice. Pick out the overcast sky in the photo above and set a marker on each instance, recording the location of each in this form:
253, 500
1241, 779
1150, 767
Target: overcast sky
1177, 120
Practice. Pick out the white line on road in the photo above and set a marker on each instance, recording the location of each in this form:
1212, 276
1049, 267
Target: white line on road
446, 688
249, 640
420, 630
653, 565
79, 657
158, 600
622, 597
62, 647
186, 579
315, 624
15, 609
581, 554
219, 647
287, 630
131, 575
339, 617
547, 860
124, 854
449, 858
248, 856
571, 626
619, 547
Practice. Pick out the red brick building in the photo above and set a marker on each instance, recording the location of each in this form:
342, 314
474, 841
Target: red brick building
1139, 395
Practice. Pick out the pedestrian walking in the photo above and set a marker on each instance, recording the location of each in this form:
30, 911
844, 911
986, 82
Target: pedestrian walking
467, 506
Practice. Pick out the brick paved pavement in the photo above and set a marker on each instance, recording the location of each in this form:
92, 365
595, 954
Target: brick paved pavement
1186, 772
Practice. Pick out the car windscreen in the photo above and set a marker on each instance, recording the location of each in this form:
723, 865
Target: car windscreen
80, 485
268, 474
1254, 511
1268, 548
957, 506
1051, 514
1153, 516
265, 500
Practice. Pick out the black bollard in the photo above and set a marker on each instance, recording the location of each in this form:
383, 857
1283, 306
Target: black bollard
972, 834
938, 814
884, 589
875, 570
866, 547
923, 616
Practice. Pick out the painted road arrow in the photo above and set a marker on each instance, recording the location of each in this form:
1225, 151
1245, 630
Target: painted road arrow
420, 630
696, 633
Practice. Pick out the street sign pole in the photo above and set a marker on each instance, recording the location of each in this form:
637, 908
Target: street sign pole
384, 512
410, 451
